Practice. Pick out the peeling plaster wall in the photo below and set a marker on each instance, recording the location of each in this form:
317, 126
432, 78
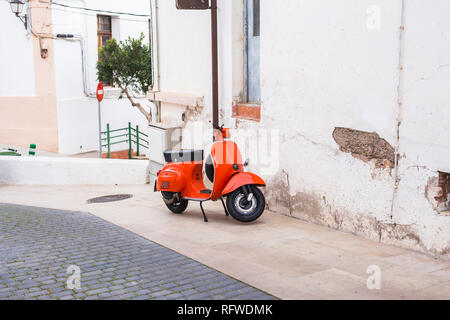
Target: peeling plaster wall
331, 71
323, 71
424, 133
323, 66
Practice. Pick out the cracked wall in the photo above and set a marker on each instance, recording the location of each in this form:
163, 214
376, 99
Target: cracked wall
330, 173
365, 146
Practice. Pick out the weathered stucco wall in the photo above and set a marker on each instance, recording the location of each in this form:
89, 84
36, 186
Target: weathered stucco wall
330, 71
425, 122
340, 80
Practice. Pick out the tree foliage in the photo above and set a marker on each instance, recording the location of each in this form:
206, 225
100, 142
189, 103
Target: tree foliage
127, 65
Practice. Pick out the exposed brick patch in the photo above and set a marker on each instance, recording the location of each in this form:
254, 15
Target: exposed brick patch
438, 193
365, 146
247, 111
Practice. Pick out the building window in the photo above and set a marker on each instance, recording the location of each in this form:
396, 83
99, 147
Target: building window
104, 30
256, 18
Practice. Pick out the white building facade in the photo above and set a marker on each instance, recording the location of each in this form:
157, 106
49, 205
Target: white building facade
353, 101
48, 72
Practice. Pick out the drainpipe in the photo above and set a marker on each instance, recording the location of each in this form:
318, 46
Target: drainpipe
84, 49
80, 39
84, 63
155, 53
400, 106
215, 64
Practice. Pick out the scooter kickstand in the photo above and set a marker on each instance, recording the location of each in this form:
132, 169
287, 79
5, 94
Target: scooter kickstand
203, 211
224, 207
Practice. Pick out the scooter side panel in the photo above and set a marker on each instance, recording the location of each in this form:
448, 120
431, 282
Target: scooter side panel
195, 184
185, 178
243, 179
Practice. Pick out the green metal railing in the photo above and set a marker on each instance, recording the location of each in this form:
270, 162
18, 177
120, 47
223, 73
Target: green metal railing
127, 135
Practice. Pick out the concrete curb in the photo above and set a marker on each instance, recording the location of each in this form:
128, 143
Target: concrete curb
72, 171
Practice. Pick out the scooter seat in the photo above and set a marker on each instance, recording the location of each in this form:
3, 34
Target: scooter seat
183, 155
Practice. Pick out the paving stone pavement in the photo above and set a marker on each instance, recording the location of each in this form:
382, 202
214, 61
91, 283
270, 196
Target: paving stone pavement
37, 246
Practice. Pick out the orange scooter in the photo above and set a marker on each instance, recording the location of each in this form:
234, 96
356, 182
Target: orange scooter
187, 177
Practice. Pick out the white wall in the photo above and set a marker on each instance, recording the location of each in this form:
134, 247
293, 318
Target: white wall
324, 64
424, 132
185, 62
77, 114
323, 68
70, 171
16, 63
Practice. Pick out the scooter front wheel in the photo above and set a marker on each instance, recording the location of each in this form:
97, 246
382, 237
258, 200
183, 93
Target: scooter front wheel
246, 208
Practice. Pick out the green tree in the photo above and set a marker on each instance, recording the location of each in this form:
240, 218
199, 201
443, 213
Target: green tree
127, 65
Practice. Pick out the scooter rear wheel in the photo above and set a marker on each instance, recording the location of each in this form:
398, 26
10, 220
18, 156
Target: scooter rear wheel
243, 210
178, 208
172, 202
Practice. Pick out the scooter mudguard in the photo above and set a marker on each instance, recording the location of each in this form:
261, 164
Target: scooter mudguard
242, 179
170, 180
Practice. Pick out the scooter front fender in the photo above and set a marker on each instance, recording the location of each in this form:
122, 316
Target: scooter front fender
242, 179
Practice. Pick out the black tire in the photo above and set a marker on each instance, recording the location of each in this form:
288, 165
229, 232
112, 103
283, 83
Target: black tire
246, 212
176, 207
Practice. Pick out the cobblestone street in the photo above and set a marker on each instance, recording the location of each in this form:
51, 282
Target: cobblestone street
37, 246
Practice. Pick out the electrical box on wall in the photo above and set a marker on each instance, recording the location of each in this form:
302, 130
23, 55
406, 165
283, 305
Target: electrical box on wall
192, 4
162, 138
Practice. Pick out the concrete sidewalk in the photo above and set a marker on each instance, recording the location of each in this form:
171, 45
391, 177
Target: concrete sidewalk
287, 258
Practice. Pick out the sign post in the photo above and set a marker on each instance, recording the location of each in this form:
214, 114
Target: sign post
100, 95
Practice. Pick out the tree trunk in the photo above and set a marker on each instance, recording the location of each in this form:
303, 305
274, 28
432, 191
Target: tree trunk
148, 115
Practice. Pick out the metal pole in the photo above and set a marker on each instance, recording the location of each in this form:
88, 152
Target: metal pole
137, 141
108, 138
130, 151
99, 131
215, 63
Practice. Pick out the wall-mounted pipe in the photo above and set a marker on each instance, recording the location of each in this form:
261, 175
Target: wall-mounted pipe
79, 38
215, 63
400, 106
156, 74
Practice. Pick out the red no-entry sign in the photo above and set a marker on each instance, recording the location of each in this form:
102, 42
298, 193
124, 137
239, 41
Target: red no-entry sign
100, 92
